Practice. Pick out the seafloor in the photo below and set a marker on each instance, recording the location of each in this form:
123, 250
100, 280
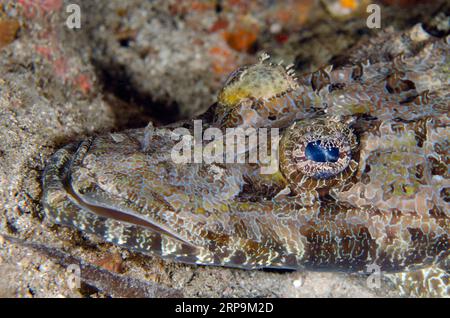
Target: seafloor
135, 61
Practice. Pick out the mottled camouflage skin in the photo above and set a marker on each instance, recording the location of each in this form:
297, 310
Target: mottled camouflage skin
385, 203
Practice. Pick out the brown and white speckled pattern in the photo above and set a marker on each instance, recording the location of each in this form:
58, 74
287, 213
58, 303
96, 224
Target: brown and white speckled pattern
389, 208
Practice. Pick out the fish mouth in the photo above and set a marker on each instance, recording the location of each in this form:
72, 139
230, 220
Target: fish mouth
58, 176
121, 216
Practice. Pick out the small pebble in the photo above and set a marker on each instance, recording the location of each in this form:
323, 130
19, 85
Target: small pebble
298, 283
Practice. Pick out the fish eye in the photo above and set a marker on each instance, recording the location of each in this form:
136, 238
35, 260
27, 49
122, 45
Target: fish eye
234, 76
253, 86
318, 153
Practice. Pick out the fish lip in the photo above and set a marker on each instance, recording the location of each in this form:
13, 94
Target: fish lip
62, 164
120, 215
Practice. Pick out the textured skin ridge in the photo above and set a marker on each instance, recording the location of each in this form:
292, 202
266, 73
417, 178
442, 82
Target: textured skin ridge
385, 201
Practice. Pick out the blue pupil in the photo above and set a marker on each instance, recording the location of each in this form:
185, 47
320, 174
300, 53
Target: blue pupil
315, 152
